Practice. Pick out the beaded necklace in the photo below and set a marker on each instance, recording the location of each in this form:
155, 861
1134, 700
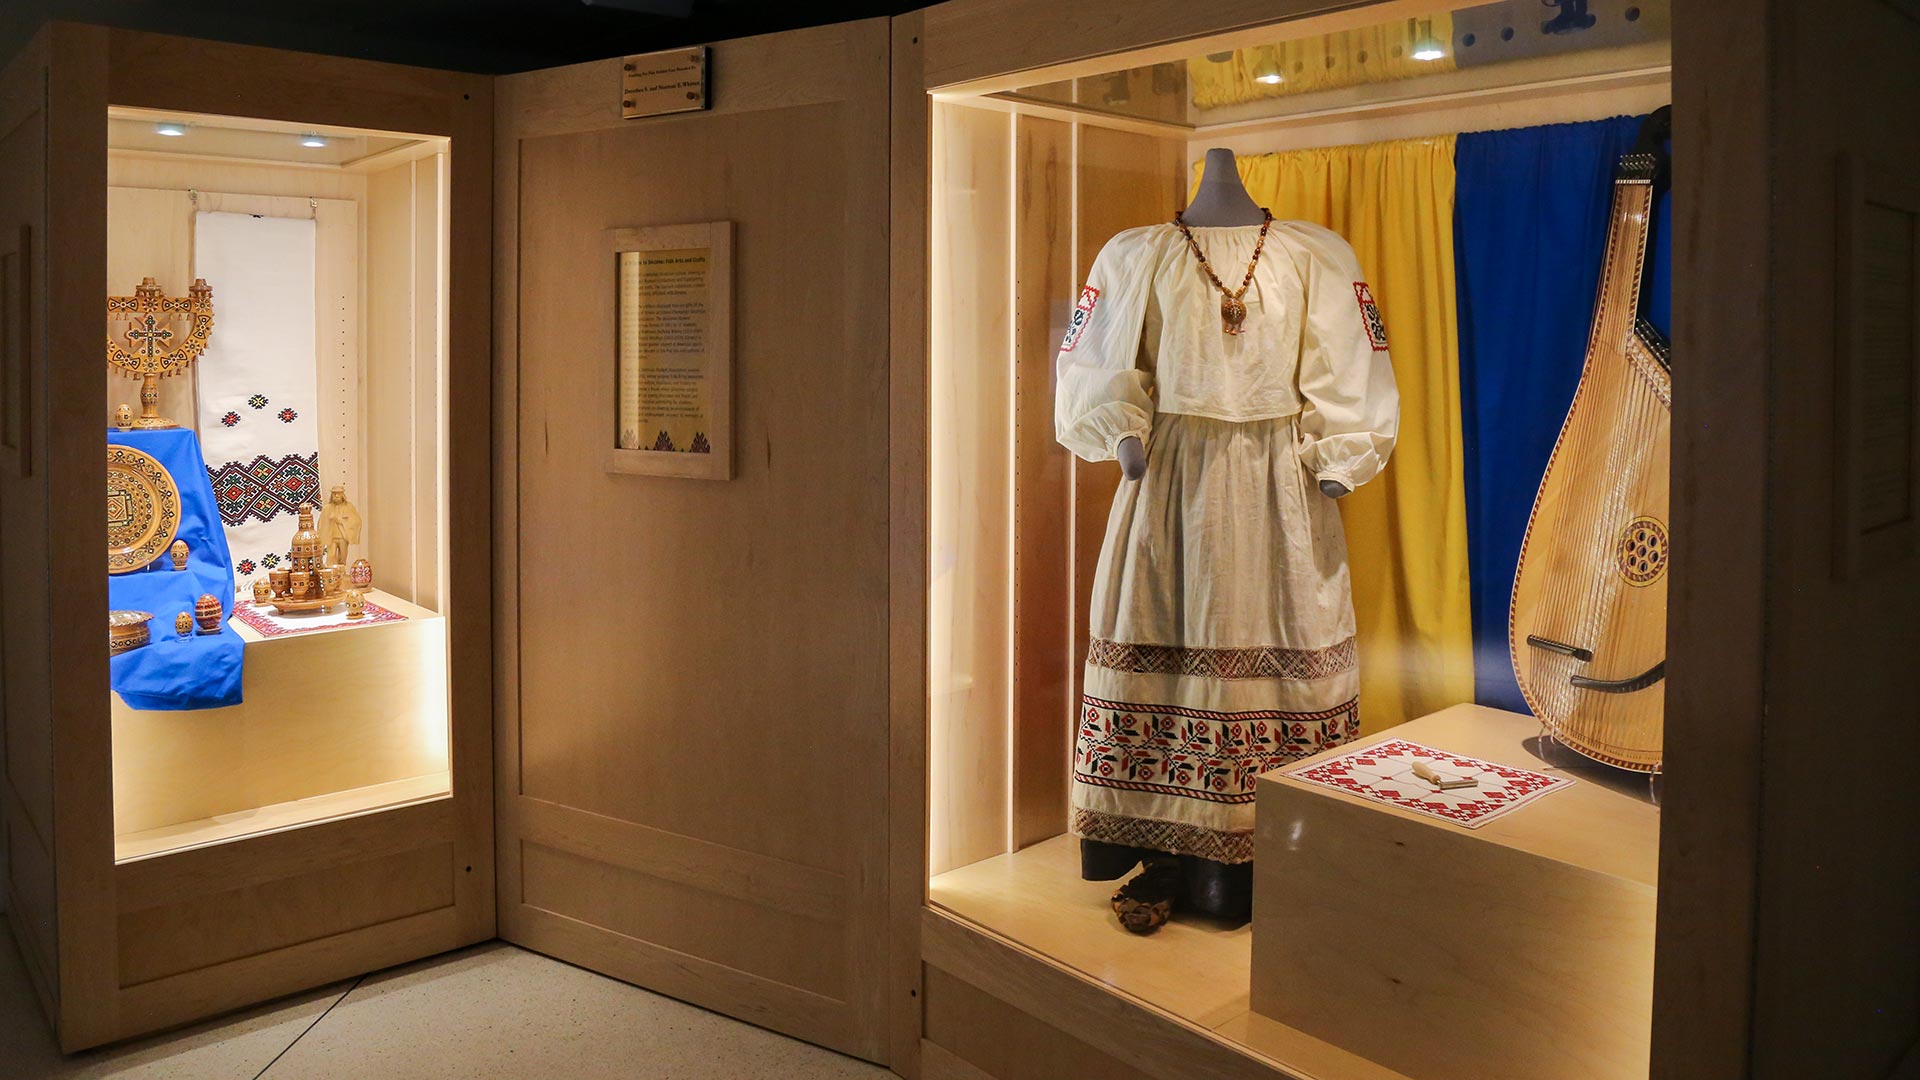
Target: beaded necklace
1233, 310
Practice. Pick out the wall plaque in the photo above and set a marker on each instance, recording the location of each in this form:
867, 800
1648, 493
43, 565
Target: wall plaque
654, 84
673, 346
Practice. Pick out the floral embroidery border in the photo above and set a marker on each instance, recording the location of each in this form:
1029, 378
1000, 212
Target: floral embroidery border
1197, 753
1255, 662
1173, 837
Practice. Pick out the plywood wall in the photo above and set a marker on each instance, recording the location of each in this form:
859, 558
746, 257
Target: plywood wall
1021, 204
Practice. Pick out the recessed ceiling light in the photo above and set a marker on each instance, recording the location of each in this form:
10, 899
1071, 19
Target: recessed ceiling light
1426, 46
169, 128
313, 140
1267, 70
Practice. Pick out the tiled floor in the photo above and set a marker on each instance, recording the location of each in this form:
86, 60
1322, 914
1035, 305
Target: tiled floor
489, 1011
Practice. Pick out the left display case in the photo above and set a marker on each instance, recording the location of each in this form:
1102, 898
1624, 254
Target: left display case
276, 769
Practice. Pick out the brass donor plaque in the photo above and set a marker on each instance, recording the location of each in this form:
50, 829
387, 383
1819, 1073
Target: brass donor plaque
654, 84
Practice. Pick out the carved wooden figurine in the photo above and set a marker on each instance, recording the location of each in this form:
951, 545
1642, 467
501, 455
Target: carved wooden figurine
309, 583
339, 526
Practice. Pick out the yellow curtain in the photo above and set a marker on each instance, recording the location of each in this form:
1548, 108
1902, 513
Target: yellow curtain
1370, 54
1406, 531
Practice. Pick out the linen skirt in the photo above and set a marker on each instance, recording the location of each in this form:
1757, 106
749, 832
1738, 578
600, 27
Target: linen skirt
1222, 639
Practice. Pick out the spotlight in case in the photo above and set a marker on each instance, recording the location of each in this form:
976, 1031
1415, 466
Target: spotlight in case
1425, 45
1268, 71
314, 140
169, 128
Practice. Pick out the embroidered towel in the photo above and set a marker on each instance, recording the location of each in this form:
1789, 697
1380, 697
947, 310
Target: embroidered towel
1383, 772
259, 382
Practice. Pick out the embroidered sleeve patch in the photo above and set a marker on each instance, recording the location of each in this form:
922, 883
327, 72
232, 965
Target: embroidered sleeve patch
1082, 312
1370, 314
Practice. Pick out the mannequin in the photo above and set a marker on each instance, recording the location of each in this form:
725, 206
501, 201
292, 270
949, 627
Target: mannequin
1222, 201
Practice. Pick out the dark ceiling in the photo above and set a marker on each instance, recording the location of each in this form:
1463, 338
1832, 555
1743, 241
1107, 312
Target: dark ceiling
491, 36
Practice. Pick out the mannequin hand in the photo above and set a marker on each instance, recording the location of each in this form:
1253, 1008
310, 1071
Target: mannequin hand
1333, 489
1132, 457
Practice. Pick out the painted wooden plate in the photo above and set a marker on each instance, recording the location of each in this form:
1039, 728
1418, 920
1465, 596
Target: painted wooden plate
143, 509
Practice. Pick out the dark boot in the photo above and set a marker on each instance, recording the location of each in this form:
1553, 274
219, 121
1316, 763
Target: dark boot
1101, 861
1222, 890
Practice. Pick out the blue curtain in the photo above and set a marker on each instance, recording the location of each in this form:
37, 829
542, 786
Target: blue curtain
1530, 223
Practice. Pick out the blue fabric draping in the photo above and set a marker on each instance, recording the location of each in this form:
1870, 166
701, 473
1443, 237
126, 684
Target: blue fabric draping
1530, 223
197, 671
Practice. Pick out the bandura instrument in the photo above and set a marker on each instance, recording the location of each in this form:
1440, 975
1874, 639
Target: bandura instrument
1588, 621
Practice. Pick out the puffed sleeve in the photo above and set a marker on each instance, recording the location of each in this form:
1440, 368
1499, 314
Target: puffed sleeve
1350, 407
1103, 394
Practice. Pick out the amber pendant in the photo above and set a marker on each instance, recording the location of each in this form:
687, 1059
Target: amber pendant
1232, 314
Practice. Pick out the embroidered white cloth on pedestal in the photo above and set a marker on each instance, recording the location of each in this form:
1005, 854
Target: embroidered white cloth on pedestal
1384, 773
259, 382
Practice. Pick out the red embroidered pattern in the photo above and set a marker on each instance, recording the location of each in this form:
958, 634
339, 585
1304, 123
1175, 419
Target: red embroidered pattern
266, 626
1256, 662
1370, 314
1384, 773
1198, 753
1082, 314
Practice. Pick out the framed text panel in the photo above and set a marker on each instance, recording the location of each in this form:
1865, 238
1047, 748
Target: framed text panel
673, 352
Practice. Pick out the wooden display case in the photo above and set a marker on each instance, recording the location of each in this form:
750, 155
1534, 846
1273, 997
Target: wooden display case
995, 145
165, 866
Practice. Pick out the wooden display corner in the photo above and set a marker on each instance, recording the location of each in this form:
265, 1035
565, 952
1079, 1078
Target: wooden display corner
1523, 947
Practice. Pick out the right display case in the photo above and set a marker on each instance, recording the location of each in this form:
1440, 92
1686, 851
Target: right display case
1297, 534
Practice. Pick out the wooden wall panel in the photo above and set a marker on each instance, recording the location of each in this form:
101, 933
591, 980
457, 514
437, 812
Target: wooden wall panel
1044, 292
26, 735
206, 930
1844, 312
700, 668
969, 644
1004, 1043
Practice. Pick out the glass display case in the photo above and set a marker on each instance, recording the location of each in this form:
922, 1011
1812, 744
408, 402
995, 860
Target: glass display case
312, 417
1467, 159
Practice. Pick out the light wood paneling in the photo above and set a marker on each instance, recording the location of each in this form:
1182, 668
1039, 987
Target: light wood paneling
984, 1037
1044, 292
908, 597
970, 623
405, 379
190, 934
723, 692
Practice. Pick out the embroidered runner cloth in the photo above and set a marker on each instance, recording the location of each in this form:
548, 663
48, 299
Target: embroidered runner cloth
1383, 772
259, 382
270, 623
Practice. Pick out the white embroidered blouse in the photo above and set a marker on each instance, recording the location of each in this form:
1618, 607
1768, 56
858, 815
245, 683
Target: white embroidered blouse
1146, 337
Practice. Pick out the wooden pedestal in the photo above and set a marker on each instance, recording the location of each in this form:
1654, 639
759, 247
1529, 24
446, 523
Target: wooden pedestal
1523, 948
333, 722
